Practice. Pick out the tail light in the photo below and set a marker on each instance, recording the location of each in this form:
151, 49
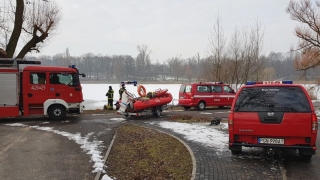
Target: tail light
314, 123
230, 121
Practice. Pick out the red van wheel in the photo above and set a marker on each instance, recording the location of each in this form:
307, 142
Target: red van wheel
201, 105
186, 107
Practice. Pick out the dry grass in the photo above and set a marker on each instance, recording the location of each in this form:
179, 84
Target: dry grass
141, 153
189, 118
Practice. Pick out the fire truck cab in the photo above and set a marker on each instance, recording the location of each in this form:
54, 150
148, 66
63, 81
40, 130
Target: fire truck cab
27, 88
202, 94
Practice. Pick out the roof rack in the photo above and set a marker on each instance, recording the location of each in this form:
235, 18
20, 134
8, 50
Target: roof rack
14, 62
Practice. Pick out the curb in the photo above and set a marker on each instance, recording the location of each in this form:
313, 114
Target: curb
98, 175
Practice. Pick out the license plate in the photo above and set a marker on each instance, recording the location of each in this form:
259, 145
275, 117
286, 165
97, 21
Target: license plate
270, 141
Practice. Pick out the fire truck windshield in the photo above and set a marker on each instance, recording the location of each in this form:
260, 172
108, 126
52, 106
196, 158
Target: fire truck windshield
70, 79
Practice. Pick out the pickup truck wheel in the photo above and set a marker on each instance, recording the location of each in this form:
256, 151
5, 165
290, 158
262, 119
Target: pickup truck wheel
305, 156
57, 112
157, 112
201, 105
235, 152
235, 149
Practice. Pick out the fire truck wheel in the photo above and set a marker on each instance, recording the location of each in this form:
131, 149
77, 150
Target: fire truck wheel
57, 112
157, 112
201, 105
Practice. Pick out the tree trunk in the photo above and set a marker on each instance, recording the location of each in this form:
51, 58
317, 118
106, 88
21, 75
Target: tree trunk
16, 30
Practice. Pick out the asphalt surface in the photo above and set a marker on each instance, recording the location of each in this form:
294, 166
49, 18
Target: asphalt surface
29, 153
32, 154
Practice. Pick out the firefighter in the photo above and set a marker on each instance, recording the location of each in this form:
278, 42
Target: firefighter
110, 98
121, 90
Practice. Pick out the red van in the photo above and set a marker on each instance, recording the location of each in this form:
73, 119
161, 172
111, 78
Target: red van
273, 115
204, 94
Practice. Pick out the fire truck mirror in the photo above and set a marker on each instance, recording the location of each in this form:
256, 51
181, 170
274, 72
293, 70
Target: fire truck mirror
83, 75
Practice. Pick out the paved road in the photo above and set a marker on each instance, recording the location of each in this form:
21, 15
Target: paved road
33, 152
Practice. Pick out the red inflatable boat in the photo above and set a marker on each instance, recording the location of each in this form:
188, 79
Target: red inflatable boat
159, 98
151, 102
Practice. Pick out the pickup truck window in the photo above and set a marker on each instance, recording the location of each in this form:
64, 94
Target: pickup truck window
274, 99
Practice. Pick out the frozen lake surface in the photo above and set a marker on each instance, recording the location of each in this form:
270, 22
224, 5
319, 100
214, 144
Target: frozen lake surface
94, 95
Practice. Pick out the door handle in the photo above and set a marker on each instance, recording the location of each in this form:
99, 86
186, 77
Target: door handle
57, 94
29, 95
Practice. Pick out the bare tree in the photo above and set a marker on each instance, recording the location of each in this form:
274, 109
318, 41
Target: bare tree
143, 60
235, 55
307, 14
250, 64
175, 67
216, 56
31, 20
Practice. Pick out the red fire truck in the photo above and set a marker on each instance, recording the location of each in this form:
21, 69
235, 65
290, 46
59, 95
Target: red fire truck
27, 88
202, 94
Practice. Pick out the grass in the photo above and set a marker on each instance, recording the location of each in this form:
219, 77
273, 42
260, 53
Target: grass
141, 153
189, 118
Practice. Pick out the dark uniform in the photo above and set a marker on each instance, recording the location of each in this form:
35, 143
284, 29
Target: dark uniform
121, 90
110, 98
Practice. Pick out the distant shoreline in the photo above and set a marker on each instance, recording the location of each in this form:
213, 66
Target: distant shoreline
139, 82
165, 82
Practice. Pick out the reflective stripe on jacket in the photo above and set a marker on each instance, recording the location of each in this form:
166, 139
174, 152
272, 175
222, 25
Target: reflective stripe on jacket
110, 94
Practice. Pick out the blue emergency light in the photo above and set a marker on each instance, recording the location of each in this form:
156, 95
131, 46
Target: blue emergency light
287, 82
217, 82
130, 82
250, 83
269, 82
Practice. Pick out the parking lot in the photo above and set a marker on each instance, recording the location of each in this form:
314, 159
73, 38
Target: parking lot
35, 153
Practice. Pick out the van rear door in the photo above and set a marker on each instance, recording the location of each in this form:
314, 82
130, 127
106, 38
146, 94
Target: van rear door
185, 95
282, 111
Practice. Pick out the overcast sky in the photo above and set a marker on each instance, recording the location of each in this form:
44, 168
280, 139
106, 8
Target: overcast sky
170, 28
